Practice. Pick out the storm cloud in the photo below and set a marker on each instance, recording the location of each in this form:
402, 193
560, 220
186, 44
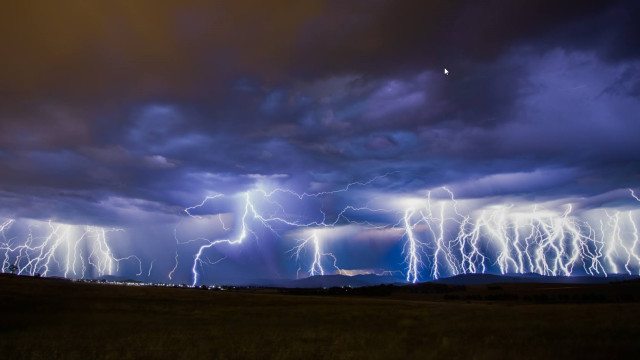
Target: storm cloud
126, 113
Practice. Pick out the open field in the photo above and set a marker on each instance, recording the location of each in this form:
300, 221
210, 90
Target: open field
49, 318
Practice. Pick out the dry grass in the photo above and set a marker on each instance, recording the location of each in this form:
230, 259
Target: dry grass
48, 319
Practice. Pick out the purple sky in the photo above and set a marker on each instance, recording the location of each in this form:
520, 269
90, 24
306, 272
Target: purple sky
123, 114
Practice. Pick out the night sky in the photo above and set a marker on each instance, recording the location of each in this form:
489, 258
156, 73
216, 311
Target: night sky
120, 115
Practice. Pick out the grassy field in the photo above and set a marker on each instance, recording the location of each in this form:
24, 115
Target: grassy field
49, 319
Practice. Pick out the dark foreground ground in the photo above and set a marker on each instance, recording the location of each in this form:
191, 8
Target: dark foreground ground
49, 318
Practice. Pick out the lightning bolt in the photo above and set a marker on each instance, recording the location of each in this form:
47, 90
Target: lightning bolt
276, 217
150, 267
174, 267
316, 266
439, 236
413, 247
68, 250
324, 193
520, 241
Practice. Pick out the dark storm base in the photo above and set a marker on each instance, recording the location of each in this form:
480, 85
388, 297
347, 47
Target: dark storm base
48, 318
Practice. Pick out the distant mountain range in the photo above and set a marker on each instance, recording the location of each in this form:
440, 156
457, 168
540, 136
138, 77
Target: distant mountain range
328, 281
318, 281
466, 279
483, 279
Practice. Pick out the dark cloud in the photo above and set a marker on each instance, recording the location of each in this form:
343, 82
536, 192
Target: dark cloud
163, 50
112, 111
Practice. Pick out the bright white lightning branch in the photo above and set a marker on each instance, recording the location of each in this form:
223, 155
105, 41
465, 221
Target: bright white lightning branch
174, 267
67, 250
241, 236
151, 267
514, 238
324, 193
188, 210
281, 218
316, 267
520, 241
412, 248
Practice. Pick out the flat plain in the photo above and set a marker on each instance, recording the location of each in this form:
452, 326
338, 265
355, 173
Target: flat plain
60, 319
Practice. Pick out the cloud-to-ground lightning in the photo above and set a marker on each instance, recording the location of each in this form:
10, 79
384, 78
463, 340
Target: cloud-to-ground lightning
175, 267
518, 238
151, 267
442, 240
442, 236
276, 216
316, 267
66, 250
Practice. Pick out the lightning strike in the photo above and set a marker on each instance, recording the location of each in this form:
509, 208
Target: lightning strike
518, 240
316, 266
67, 250
441, 237
264, 209
174, 267
150, 267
